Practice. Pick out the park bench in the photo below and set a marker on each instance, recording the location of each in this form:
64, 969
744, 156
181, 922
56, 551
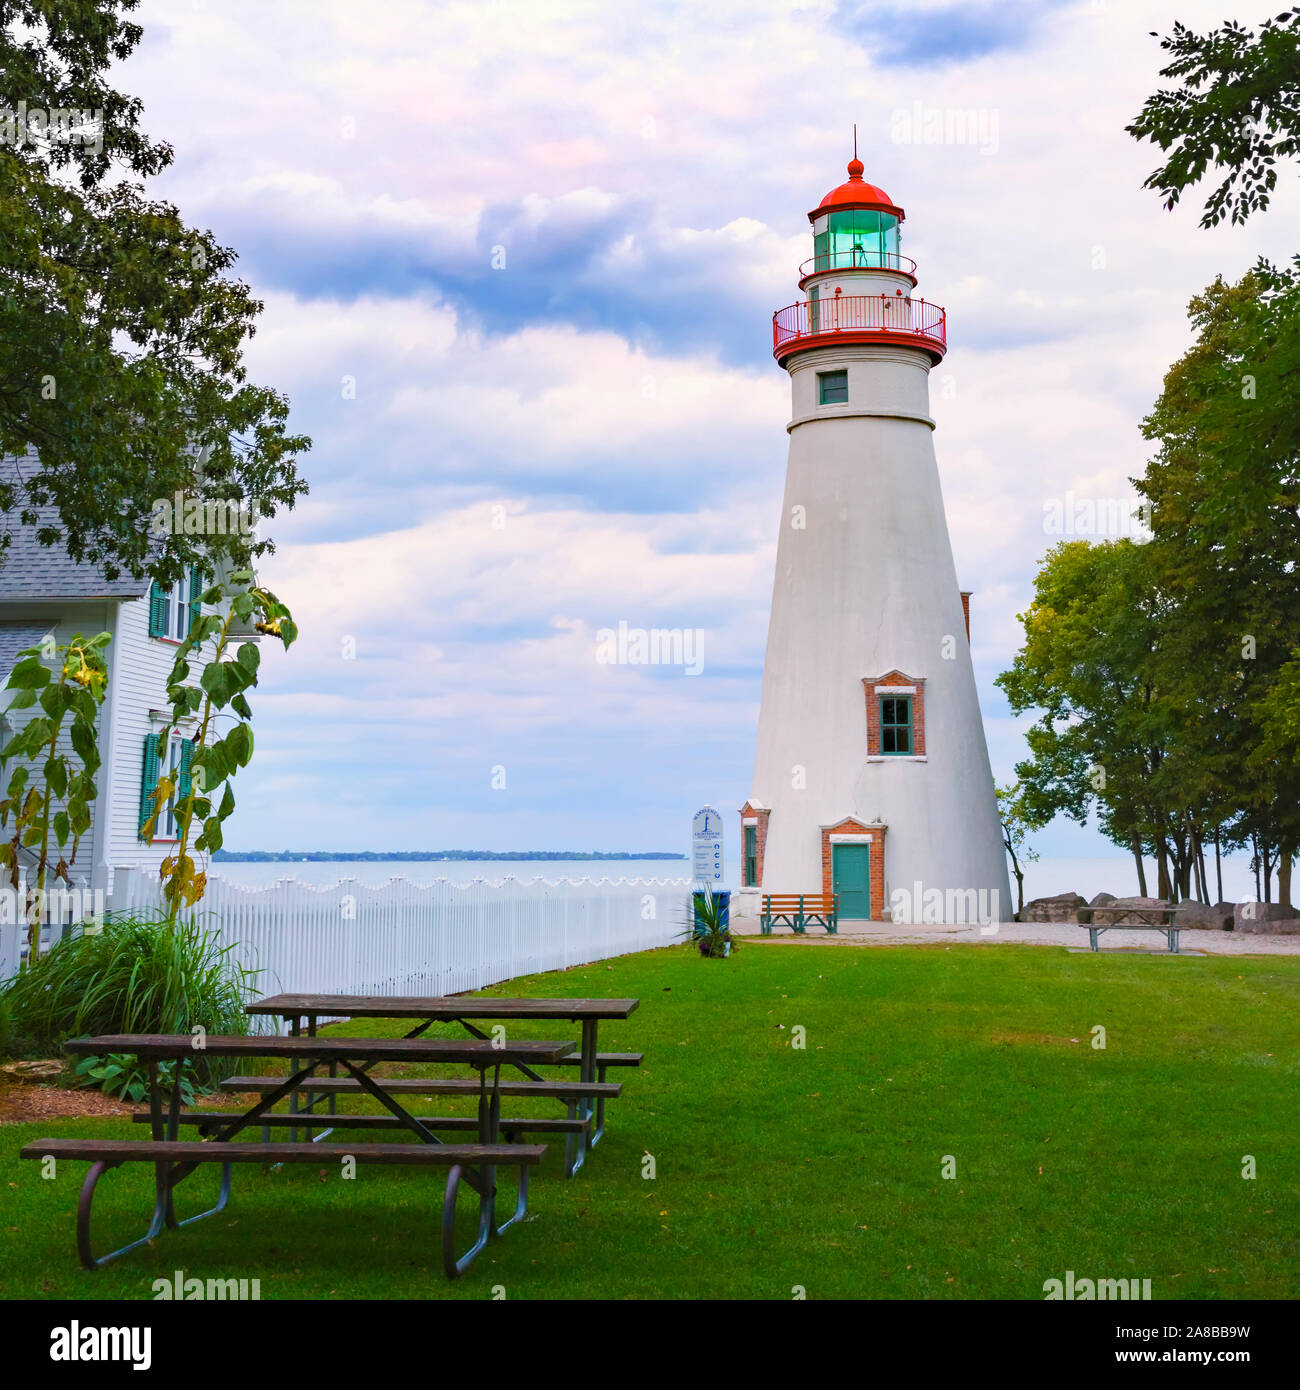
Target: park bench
509, 1125
174, 1159
1130, 918
799, 910
603, 1061
302, 1011
575, 1094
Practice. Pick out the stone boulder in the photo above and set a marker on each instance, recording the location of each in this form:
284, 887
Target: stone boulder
1061, 908
1266, 919
1102, 900
1200, 916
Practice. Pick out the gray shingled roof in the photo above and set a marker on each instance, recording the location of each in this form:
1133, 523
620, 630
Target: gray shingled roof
18, 636
30, 570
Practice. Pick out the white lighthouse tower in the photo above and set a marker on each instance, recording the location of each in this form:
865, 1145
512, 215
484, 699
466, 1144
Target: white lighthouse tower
872, 775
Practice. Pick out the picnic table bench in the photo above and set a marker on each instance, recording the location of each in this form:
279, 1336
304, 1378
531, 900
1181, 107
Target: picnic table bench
1130, 917
798, 910
174, 1160
585, 1099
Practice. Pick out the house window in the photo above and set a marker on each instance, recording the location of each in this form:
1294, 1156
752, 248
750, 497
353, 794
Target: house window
171, 611
896, 724
172, 758
751, 857
833, 387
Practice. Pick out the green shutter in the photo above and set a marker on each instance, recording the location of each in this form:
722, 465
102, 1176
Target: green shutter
183, 782
148, 781
157, 610
196, 590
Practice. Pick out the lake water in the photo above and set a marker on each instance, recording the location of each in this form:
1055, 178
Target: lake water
320, 873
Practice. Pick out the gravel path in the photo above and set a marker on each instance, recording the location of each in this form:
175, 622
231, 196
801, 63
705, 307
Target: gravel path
1190, 941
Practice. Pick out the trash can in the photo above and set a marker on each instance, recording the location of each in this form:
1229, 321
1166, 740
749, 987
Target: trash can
722, 897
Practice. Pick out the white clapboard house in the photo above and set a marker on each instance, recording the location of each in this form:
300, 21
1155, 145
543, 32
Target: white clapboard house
44, 592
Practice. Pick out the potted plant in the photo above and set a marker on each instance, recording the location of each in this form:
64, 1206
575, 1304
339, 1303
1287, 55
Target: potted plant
710, 924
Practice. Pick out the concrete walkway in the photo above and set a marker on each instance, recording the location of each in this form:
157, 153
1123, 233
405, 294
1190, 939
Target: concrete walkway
1190, 941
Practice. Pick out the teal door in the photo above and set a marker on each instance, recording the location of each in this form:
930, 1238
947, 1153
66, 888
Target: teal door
851, 878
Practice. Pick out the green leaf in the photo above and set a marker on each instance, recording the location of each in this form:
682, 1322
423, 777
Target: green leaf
56, 775
216, 680
28, 675
239, 744
83, 742
212, 834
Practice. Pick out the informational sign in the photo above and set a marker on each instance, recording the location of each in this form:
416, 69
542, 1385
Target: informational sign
706, 848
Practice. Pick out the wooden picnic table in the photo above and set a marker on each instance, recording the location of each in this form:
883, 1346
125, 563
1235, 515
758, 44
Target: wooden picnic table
305, 1009
175, 1160
1132, 916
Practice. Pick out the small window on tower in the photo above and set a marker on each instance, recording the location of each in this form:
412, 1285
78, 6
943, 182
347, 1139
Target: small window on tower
834, 387
896, 724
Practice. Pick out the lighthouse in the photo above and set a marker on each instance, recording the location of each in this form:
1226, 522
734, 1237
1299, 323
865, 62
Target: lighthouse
871, 775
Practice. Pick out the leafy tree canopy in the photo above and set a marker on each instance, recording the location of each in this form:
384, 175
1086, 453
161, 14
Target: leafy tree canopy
1237, 110
122, 337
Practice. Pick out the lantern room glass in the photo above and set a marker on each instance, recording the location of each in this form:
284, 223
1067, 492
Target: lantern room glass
857, 238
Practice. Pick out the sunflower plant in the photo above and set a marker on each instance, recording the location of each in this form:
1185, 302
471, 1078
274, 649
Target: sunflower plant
226, 665
48, 813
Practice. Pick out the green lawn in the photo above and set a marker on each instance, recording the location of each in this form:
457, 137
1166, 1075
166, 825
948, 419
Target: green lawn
820, 1167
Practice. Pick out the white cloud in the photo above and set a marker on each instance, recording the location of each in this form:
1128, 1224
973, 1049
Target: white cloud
704, 133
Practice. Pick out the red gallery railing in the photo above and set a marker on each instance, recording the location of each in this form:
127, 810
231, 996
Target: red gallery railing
895, 315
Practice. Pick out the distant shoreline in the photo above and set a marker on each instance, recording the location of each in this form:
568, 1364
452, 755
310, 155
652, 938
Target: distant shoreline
321, 856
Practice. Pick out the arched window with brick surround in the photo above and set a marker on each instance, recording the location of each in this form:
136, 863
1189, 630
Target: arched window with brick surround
895, 716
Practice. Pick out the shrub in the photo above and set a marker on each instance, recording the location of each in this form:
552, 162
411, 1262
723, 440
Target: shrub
139, 974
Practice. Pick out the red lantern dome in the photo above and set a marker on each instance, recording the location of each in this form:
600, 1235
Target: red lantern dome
857, 193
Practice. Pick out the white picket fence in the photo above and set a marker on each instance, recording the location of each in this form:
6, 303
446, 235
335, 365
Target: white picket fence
407, 938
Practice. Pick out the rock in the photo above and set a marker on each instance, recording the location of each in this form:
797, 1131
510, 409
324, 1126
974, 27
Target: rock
1141, 902
1266, 919
1203, 917
1251, 917
32, 1071
1058, 909
1102, 900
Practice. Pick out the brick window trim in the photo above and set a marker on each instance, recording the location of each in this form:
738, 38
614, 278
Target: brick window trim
876, 688
844, 832
757, 815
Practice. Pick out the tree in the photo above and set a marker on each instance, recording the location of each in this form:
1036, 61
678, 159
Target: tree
1016, 825
122, 338
1104, 739
1238, 109
1224, 489
1279, 718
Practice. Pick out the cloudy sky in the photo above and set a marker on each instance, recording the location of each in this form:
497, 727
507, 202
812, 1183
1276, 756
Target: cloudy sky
519, 262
